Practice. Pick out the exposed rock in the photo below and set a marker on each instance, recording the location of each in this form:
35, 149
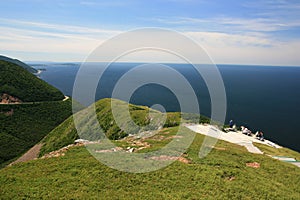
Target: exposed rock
184, 160
174, 137
81, 141
230, 178
253, 165
60, 152
130, 150
6, 99
104, 151
165, 157
116, 149
220, 148
158, 137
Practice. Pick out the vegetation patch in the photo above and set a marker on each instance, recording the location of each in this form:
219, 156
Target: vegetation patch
24, 125
225, 173
21, 84
19, 63
277, 151
220, 175
142, 120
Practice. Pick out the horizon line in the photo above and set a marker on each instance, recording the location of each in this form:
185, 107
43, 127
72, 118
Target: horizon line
139, 62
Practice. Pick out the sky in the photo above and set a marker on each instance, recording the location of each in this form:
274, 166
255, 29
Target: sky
257, 32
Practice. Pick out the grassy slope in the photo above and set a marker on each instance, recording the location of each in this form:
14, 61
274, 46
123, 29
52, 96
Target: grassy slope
221, 175
66, 133
59, 137
278, 152
23, 125
18, 82
28, 125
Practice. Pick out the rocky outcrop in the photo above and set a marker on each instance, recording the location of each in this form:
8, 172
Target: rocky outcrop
61, 152
6, 99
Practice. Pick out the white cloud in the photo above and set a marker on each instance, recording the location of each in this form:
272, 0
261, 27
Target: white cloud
74, 43
225, 39
54, 39
229, 24
56, 27
247, 49
259, 24
180, 20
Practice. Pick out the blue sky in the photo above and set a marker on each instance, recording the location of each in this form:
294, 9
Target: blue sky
239, 32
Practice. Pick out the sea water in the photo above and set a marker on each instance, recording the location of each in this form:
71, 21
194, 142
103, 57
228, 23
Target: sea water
265, 98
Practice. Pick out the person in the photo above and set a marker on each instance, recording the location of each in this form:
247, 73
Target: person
260, 136
246, 131
231, 123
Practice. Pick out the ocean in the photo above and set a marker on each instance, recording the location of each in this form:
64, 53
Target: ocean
265, 98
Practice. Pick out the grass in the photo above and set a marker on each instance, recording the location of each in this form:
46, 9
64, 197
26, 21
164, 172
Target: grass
278, 152
59, 137
221, 175
23, 125
28, 124
66, 133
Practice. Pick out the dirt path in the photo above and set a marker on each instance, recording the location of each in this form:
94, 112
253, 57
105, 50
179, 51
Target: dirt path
66, 98
29, 155
36, 102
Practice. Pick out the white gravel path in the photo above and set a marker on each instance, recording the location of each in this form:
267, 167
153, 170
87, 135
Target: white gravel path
233, 137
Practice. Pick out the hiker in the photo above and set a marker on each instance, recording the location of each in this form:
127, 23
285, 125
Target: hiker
260, 136
246, 131
231, 123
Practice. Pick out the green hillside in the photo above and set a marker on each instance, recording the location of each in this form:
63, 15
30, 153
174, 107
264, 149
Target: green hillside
66, 133
223, 174
19, 83
73, 173
23, 125
19, 63
39, 110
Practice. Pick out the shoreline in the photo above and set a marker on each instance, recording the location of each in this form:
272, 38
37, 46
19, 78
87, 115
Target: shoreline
38, 72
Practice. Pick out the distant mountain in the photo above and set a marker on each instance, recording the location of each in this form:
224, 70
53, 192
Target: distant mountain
17, 84
17, 62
